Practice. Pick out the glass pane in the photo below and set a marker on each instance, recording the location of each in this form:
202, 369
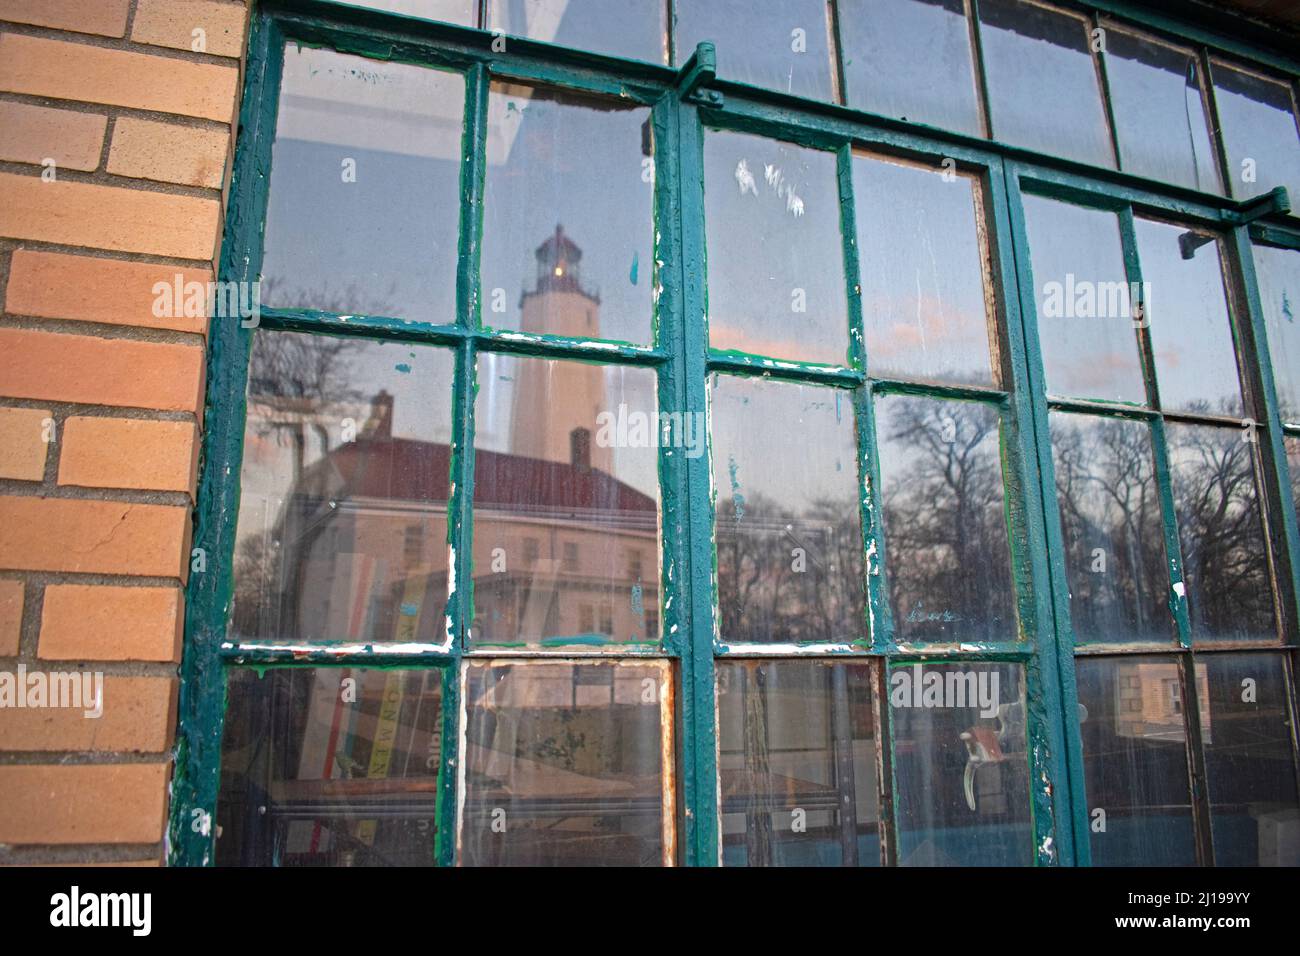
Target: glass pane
1113, 529
330, 766
452, 11
1042, 81
1135, 761
892, 49
1249, 760
1225, 560
780, 44
961, 766
925, 292
566, 502
565, 764
636, 30
1278, 274
1155, 95
566, 250
364, 206
797, 764
1085, 311
342, 532
947, 557
1259, 132
787, 524
775, 252
1196, 367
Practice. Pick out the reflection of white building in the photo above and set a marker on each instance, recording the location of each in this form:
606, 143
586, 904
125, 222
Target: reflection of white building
1149, 700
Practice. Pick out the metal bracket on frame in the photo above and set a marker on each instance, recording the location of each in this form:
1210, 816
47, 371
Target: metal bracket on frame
1276, 200
700, 69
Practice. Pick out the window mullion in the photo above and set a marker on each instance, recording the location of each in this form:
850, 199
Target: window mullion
1054, 637
1276, 492
699, 772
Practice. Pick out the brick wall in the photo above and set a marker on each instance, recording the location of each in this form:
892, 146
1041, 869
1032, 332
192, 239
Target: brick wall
115, 146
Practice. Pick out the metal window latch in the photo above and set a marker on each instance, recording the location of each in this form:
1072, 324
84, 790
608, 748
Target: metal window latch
699, 70
1276, 200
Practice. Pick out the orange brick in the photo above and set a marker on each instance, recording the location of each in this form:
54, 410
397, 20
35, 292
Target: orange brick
137, 715
23, 442
172, 23
129, 453
11, 617
77, 71
48, 366
87, 803
104, 217
105, 18
93, 537
168, 153
52, 285
96, 622
33, 134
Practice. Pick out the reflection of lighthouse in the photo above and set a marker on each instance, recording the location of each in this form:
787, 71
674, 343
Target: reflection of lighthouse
555, 405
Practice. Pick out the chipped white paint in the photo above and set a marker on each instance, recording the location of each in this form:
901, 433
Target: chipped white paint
408, 649
1180, 590
745, 179
790, 650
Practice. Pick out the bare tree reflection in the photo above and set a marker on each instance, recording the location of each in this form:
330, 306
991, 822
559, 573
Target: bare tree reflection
1111, 522
945, 525
1221, 532
785, 576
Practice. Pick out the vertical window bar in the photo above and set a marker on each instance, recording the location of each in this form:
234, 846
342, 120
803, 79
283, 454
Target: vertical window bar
1196, 761
981, 81
1133, 275
460, 524
886, 818
1058, 687
1276, 492
201, 706
1050, 688
1103, 79
835, 42
702, 841
1216, 130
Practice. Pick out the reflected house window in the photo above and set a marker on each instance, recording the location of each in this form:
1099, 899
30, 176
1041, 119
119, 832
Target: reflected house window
1257, 116
563, 508
797, 763
343, 510
330, 767
961, 764
1135, 760
564, 764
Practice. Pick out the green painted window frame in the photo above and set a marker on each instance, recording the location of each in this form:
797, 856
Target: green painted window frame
684, 102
